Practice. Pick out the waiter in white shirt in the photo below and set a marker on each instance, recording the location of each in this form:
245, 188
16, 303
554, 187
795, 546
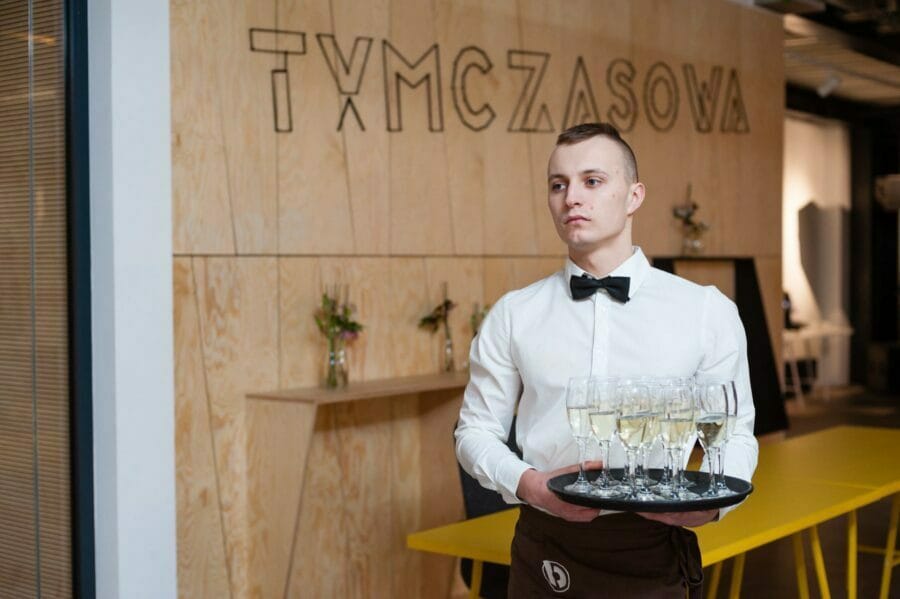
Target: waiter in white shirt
608, 313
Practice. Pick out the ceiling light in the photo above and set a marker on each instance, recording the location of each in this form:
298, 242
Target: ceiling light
829, 85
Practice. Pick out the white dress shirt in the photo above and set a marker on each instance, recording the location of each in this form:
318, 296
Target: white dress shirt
534, 339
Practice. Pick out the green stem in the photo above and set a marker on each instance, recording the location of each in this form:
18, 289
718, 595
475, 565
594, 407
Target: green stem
331, 377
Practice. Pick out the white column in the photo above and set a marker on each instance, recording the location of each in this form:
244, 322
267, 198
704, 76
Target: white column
131, 273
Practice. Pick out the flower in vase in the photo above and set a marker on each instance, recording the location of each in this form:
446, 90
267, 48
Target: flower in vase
438, 319
336, 323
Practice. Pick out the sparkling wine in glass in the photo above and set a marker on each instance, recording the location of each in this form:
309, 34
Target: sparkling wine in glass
603, 416
711, 422
730, 422
677, 426
633, 416
577, 408
655, 390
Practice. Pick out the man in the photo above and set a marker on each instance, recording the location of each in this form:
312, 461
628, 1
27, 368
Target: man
641, 322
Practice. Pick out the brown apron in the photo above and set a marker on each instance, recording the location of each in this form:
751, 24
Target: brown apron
615, 556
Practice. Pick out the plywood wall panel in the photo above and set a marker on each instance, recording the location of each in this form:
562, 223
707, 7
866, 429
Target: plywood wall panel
367, 281
318, 567
279, 435
202, 566
540, 33
314, 209
302, 350
464, 278
441, 492
715, 159
412, 353
239, 345
421, 220
201, 209
527, 271
719, 274
498, 279
364, 435
366, 149
465, 147
662, 155
244, 87
490, 191
757, 219
502, 275
405, 475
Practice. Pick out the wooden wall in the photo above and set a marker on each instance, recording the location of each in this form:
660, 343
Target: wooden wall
264, 220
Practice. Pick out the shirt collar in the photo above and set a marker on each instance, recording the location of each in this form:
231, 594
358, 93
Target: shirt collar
636, 267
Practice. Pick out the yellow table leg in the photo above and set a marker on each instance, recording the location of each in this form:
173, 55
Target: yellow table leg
851, 554
712, 589
819, 562
800, 566
475, 587
890, 550
737, 575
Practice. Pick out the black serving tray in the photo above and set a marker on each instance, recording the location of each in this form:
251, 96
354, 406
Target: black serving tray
741, 488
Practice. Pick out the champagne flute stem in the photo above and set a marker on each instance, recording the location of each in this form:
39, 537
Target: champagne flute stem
710, 459
605, 458
720, 470
632, 466
667, 471
581, 459
677, 471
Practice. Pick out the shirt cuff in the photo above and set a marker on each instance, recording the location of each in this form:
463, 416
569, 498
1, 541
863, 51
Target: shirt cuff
508, 475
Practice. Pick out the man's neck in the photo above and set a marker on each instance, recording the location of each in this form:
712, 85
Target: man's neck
601, 262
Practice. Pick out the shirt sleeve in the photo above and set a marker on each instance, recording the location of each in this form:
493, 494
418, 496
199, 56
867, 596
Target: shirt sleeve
489, 405
725, 358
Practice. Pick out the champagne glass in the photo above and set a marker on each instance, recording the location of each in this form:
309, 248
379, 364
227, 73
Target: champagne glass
676, 428
577, 405
603, 415
712, 397
730, 422
655, 390
632, 425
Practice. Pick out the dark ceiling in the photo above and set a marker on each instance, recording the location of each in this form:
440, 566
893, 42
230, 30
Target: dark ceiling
847, 50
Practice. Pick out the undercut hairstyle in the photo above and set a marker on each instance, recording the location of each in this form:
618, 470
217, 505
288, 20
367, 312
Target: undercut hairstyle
585, 131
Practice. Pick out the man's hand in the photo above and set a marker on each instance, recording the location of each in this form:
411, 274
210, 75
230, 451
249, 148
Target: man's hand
690, 519
533, 490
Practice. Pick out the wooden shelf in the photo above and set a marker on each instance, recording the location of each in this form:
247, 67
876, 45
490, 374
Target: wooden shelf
370, 389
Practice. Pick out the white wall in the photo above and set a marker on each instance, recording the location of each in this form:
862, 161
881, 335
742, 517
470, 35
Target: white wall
817, 169
131, 257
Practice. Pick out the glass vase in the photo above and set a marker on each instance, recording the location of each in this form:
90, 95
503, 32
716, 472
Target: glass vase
336, 365
449, 365
692, 244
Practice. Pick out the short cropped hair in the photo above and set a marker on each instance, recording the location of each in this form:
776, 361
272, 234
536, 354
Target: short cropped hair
579, 133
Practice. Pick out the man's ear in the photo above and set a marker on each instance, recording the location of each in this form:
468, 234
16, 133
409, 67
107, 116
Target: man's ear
635, 198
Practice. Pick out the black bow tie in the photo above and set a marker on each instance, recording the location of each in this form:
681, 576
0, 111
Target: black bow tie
584, 286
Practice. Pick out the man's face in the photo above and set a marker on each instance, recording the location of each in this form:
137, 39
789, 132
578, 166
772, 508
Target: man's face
590, 193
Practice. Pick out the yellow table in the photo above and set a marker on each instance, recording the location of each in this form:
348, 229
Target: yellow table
767, 516
849, 455
821, 476
859, 456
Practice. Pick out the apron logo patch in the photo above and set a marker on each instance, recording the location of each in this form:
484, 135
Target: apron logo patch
556, 575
